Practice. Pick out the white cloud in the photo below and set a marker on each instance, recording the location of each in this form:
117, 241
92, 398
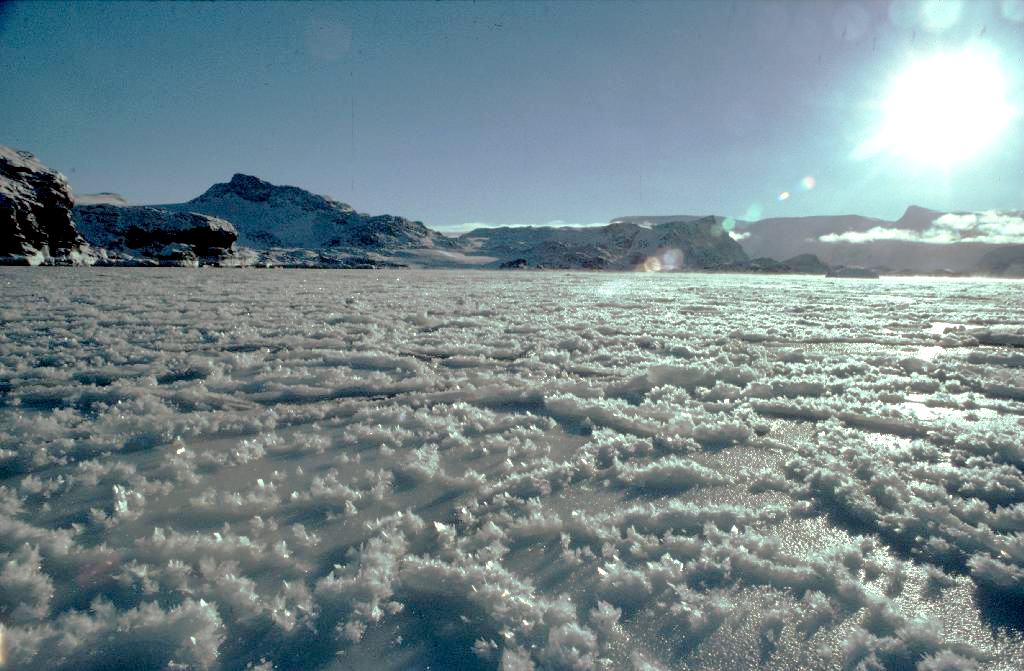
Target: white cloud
932, 236
985, 227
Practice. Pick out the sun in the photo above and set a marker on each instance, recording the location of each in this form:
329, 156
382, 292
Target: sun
943, 109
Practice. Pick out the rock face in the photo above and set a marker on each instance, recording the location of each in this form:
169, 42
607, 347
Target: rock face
151, 233
698, 244
35, 212
268, 216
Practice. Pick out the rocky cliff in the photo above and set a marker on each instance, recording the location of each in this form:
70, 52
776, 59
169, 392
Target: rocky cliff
35, 213
153, 234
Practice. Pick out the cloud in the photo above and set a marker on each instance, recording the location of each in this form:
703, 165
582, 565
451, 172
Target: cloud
991, 227
883, 233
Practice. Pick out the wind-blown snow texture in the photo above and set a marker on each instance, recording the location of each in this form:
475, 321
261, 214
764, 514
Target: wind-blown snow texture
392, 470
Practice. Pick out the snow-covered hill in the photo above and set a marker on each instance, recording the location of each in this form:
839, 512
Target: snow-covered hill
269, 216
286, 225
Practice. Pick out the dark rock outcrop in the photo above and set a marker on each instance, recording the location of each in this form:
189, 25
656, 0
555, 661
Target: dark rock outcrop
143, 233
808, 264
763, 264
35, 213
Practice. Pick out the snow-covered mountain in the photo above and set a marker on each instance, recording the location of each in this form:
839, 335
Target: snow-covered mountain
289, 226
270, 216
692, 243
286, 225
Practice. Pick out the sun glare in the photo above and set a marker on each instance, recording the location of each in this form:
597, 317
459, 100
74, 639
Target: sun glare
943, 109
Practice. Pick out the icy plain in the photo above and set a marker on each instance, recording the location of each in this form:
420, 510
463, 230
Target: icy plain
233, 469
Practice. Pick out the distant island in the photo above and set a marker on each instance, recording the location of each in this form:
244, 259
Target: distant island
248, 222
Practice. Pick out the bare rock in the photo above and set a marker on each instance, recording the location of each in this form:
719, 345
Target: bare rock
35, 213
154, 233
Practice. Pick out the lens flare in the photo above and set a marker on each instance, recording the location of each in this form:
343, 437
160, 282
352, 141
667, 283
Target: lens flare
672, 259
808, 183
1013, 10
651, 264
784, 196
753, 212
940, 15
663, 261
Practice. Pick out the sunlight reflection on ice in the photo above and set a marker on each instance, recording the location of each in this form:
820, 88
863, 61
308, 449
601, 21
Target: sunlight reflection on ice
938, 328
928, 353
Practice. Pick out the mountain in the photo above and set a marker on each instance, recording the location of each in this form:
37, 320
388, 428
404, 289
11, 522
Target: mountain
1002, 262
102, 198
786, 237
695, 243
269, 216
35, 213
921, 240
141, 234
286, 225
655, 219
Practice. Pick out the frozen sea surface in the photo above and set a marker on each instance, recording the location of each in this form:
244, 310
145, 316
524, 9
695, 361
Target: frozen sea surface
402, 470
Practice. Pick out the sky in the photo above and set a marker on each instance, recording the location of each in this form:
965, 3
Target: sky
462, 114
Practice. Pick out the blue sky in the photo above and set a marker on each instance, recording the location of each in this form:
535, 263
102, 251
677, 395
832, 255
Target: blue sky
501, 113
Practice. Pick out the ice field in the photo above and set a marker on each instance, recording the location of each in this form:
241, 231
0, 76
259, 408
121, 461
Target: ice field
231, 469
